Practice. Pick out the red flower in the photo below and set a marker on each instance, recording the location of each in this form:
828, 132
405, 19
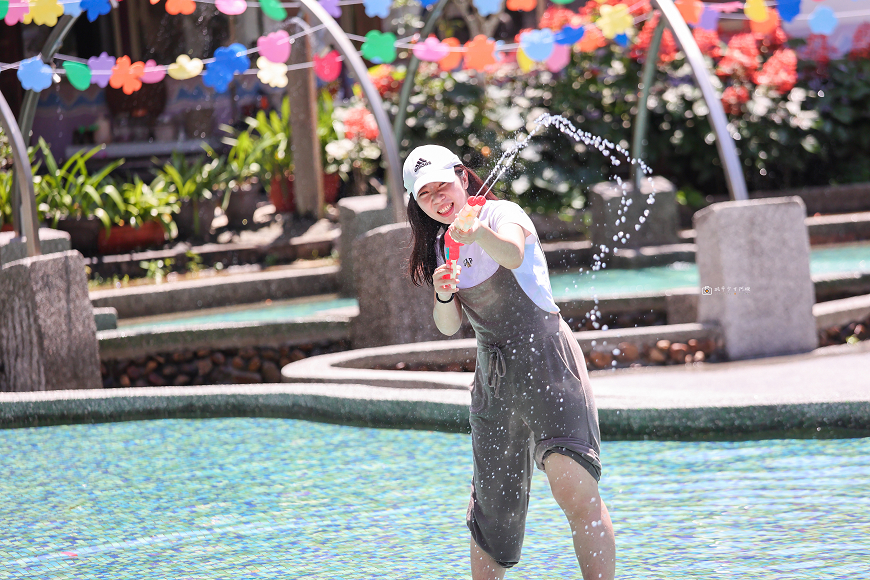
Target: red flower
861, 42
382, 77
555, 18
817, 49
667, 49
733, 97
359, 122
779, 72
774, 39
708, 41
741, 56
634, 8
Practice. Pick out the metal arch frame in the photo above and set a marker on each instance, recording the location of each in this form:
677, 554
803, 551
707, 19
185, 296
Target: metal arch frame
26, 200
387, 141
724, 142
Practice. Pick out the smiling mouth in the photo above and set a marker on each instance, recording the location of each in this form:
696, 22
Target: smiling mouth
446, 211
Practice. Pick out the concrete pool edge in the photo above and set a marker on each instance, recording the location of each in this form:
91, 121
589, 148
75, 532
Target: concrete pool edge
430, 409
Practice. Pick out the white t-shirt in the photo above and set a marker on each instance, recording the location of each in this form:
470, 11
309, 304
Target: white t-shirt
532, 275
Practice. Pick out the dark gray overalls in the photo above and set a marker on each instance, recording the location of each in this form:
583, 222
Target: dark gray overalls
531, 396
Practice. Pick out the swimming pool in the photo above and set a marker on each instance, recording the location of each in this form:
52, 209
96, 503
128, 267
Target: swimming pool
275, 498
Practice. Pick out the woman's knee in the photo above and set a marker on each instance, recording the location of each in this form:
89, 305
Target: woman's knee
573, 487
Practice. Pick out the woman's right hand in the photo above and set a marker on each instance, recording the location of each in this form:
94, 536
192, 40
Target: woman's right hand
445, 280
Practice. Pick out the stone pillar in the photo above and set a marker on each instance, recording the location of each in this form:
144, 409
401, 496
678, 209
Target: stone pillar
391, 309
659, 228
308, 172
48, 338
356, 216
754, 263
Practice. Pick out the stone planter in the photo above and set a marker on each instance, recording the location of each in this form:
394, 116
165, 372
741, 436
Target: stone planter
123, 239
185, 219
83, 233
242, 204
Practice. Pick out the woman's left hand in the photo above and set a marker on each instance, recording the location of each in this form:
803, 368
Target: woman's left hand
468, 236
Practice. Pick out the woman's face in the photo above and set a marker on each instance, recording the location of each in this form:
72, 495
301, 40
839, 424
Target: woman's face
441, 201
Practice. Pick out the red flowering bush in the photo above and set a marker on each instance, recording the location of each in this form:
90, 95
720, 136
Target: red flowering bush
779, 72
817, 49
385, 80
861, 43
360, 123
556, 17
708, 41
667, 49
741, 57
733, 97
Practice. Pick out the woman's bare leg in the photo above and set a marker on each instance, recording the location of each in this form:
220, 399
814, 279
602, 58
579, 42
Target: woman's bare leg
576, 492
483, 567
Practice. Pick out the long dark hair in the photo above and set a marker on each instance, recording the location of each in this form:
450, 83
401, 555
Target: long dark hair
425, 231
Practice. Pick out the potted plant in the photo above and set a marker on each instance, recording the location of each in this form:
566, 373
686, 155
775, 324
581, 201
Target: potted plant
143, 218
276, 165
327, 134
192, 182
237, 174
75, 199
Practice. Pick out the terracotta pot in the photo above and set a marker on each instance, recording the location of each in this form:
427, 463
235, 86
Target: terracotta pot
83, 233
123, 239
6, 228
331, 183
281, 194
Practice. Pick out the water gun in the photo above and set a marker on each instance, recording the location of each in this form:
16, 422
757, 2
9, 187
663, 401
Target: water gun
466, 216
451, 254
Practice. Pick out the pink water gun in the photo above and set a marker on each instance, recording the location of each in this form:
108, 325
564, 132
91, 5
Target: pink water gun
466, 216
452, 253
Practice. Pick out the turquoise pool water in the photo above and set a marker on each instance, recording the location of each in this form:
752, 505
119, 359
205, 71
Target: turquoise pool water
276, 499
566, 285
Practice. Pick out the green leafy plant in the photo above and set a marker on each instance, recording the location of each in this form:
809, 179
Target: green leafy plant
191, 180
71, 191
157, 269
274, 129
141, 202
242, 162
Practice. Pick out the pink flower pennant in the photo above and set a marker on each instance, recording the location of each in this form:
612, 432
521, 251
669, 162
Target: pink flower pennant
431, 49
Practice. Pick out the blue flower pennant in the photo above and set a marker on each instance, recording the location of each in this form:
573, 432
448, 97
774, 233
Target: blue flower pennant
379, 8
228, 61
537, 44
823, 21
487, 7
34, 74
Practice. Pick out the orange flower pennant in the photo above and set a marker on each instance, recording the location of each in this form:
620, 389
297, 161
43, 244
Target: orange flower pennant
452, 60
592, 39
768, 26
126, 76
521, 5
690, 10
180, 6
480, 52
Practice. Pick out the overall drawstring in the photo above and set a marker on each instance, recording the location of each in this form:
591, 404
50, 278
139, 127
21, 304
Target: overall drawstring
497, 367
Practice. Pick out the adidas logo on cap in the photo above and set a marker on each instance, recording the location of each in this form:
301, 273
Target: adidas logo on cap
421, 163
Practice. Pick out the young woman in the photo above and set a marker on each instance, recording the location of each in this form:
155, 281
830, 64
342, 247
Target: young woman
531, 402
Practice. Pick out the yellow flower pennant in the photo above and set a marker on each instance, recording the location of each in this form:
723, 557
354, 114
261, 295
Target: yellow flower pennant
615, 20
44, 12
271, 73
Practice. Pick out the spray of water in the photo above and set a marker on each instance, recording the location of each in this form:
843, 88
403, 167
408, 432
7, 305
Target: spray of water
617, 156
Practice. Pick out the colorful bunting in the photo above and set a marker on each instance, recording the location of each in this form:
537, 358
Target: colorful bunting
273, 9
487, 7
231, 7
755, 10
44, 12
185, 67
379, 47
228, 61
377, 8
332, 8
101, 69
823, 21
452, 60
34, 74
15, 12
95, 8
275, 46
430, 50
789, 9
709, 19
521, 5
271, 73
690, 10
180, 7
569, 35
78, 74
614, 20
73, 9
479, 53
560, 58
126, 75
327, 68
525, 63
153, 74
537, 44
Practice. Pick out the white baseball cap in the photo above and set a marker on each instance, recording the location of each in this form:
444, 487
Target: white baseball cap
429, 164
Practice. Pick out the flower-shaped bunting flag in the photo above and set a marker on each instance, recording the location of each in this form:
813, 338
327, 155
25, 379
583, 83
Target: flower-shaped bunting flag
452, 60
231, 7
690, 10
709, 19
15, 12
153, 74
95, 8
768, 26
328, 67
521, 5
78, 74
479, 53
101, 69
332, 8
487, 7
614, 20
72, 9
228, 61
271, 73
569, 35
430, 50
537, 44
127, 76
560, 58
755, 10
275, 46
273, 9
823, 21
379, 47
185, 67
592, 39
379, 8
34, 74
789, 9
180, 7
44, 12
525, 63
